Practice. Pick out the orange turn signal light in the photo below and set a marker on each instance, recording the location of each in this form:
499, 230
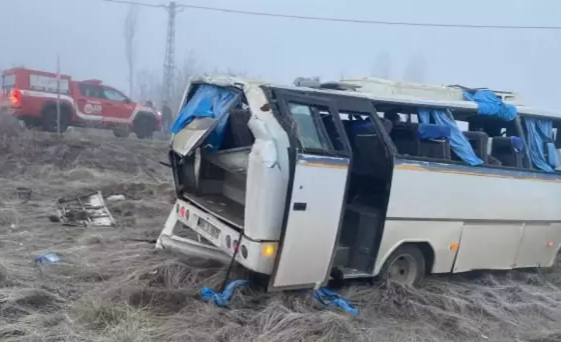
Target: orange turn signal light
268, 250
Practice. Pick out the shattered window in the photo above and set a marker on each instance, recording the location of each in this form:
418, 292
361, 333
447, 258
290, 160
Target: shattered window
309, 132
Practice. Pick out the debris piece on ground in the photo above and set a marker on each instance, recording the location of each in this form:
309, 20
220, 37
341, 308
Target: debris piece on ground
221, 299
330, 298
54, 218
48, 258
115, 198
23, 194
85, 210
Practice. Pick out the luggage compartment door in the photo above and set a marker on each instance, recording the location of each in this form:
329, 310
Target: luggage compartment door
316, 194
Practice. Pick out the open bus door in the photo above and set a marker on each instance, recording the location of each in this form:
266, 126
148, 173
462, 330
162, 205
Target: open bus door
316, 194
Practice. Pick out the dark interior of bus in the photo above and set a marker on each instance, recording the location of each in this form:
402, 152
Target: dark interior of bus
218, 183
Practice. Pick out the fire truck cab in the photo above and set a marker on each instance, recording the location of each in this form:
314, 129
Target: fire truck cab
31, 96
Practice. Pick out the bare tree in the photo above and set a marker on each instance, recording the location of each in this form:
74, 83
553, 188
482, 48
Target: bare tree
416, 70
382, 66
148, 84
130, 35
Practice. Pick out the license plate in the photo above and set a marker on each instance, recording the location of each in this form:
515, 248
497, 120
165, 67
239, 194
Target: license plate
208, 228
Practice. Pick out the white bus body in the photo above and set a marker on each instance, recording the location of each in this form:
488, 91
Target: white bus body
297, 212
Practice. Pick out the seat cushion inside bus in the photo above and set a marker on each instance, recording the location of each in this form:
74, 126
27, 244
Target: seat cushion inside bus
503, 148
478, 141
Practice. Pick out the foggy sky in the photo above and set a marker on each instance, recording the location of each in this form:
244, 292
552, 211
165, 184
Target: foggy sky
88, 35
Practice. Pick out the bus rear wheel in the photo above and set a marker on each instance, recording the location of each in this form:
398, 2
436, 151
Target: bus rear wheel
406, 266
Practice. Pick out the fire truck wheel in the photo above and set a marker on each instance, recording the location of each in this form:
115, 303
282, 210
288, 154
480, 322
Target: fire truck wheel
144, 126
49, 119
121, 133
406, 266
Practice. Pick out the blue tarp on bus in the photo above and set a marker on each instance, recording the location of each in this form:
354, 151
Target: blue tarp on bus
540, 140
491, 105
208, 101
458, 142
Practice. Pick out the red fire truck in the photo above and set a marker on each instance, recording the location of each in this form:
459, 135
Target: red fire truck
31, 96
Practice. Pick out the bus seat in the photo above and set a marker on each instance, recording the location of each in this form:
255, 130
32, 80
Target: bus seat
369, 155
504, 149
406, 139
419, 140
478, 141
434, 141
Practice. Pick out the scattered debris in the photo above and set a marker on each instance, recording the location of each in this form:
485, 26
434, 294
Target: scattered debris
221, 298
23, 194
115, 198
48, 258
85, 210
330, 298
54, 218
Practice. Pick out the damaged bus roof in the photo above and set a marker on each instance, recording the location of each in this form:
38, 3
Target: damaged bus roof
229, 81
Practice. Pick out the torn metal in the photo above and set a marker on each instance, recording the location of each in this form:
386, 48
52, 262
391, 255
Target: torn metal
85, 210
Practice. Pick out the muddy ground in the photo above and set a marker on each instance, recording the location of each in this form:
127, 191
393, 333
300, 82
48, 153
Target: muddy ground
110, 287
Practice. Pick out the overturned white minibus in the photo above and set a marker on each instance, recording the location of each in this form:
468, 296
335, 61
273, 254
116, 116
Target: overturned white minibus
301, 184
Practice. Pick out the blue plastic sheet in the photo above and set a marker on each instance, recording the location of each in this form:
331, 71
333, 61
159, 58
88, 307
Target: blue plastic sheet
431, 131
517, 143
458, 142
48, 258
330, 298
221, 299
490, 104
208, 101
357, 126
540, 133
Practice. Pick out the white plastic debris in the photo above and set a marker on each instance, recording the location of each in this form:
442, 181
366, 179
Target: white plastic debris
115, 198
86, 210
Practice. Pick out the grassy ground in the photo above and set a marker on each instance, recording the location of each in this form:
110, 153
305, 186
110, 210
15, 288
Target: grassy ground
111, 288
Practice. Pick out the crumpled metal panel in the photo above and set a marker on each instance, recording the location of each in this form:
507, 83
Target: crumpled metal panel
85, 210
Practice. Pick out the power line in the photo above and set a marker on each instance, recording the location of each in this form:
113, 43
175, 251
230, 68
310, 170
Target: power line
135, 3
345, 20
361, 21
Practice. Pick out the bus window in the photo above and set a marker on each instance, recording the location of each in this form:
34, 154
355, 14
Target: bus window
310, 135
495, 141
316, 127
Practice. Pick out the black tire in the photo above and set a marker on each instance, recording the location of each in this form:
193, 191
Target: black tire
144, 127
406, 265
121, 132
49, 119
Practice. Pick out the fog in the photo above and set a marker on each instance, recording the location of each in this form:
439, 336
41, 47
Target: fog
88, 36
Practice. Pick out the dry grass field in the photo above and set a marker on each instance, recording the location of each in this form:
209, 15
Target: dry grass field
112, 286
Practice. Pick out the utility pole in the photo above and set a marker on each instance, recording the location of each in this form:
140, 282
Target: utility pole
58, 129
169, 58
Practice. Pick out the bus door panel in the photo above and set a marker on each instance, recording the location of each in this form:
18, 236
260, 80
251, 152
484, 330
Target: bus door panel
312, 225
539, 245
488, 246
316, 192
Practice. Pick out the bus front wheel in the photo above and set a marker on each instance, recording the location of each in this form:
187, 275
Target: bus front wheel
406, 266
